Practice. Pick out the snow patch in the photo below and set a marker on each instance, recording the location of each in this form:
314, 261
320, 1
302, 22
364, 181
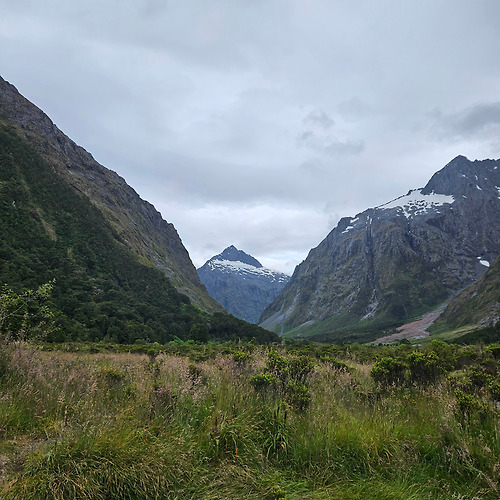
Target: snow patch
483, 262
416, 203
351, 225
246, 269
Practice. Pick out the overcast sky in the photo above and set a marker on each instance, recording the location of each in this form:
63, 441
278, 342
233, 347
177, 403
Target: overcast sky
260, 123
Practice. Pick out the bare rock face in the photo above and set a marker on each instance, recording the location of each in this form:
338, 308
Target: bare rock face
240, 283
391, 262
139, 225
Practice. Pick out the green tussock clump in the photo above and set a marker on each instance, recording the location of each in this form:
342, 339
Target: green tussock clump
287, 422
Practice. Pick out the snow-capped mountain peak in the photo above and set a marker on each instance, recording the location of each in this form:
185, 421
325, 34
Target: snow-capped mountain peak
417, 203
241, 283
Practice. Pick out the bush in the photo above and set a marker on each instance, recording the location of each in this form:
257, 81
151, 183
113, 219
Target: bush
424, 367
469, 406
388, 371
297, 395
261, 380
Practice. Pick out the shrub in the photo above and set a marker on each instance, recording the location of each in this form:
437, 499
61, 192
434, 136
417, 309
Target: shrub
295, 368
468, 406
424, 367
388, 371
261, 380
297, 395
241, 357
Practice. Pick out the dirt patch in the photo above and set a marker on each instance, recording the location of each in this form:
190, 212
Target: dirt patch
415, 330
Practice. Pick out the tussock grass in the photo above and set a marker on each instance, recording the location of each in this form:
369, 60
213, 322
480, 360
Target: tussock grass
119, 425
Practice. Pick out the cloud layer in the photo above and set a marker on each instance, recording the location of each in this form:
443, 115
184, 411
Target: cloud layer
261, 123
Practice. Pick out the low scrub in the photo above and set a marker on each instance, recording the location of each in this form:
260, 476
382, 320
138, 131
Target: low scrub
240, 421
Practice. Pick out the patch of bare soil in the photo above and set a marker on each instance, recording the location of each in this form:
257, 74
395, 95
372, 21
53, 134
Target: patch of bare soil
415, 330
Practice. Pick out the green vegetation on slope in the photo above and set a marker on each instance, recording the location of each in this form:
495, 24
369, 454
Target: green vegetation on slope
478, 304
101, 290
309, 422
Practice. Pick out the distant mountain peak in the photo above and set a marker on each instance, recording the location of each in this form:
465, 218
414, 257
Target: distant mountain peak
231, 253
241, 283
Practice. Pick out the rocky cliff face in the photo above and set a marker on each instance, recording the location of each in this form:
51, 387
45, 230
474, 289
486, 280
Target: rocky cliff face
240, 283
386, 264
140, 226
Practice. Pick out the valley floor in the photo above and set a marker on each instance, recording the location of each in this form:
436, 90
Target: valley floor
229, 421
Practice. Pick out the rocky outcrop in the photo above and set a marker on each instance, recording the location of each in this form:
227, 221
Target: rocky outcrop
389, 263
240, 283
140, 226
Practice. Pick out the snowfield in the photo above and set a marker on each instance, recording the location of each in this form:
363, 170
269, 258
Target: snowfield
231, 266
416, 203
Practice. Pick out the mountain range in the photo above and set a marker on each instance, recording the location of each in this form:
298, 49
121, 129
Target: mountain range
240, 283
388, 264
122, 273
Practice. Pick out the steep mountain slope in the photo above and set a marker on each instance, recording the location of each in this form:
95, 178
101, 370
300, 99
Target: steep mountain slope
51, 232
379, 269
141, 228
478, 305
240, 283
103, 289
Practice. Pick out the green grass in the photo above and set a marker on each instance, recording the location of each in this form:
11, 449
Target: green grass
118, 425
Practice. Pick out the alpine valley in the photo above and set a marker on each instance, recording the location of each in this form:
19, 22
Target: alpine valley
122, 378
389, 264
240, 283
120, 271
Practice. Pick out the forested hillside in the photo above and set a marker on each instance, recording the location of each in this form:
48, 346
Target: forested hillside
101, 290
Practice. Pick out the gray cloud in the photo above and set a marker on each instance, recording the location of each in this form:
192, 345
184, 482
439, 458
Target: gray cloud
260, 123
319, 119
481, 120
319, 136
354, 109
329, 143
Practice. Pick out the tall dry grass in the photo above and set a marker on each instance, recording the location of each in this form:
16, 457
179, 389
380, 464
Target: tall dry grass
118, 426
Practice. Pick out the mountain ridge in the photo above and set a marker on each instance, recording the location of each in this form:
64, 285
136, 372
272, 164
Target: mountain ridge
140, 226
476, 306
387, 264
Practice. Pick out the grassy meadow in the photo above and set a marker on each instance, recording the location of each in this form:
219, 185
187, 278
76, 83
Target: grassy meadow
223, 421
